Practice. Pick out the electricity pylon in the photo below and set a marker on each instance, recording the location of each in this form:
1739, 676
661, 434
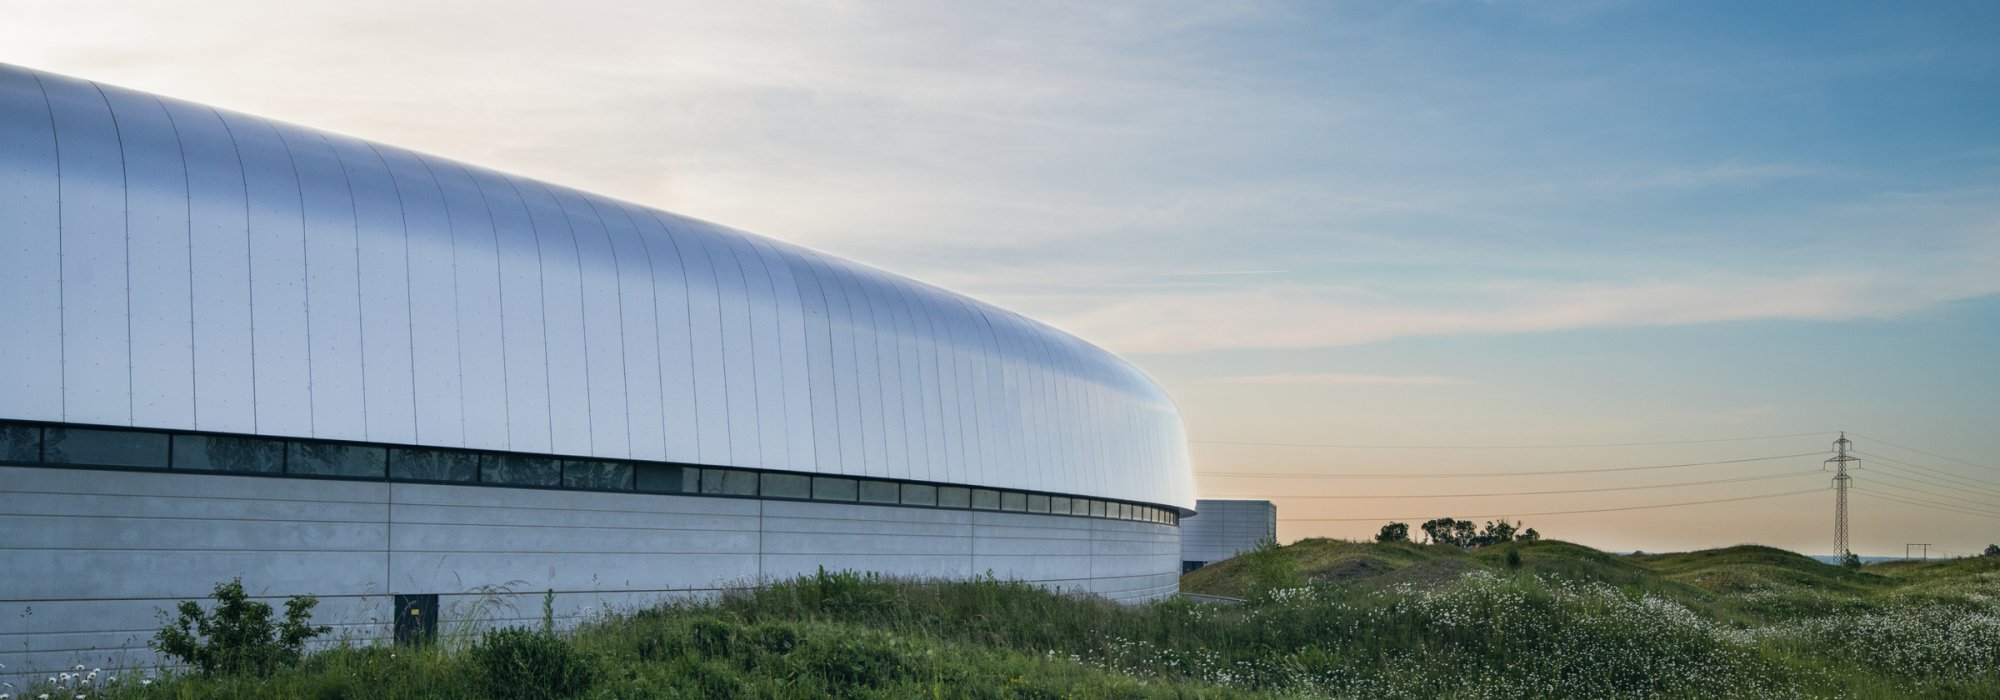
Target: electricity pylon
1840, 481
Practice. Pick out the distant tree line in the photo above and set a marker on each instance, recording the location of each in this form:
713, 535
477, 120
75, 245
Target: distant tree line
1460, 533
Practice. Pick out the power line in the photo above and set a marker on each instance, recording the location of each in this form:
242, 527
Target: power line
1421, 475
1933, 454
1545, 493
1924, 504
1572, 512
1914, 479
1940, 472
1504, 447
1975, 504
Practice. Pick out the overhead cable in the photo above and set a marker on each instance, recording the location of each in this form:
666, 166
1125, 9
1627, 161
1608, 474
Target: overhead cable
1572, 512
1421, 475
1505, 447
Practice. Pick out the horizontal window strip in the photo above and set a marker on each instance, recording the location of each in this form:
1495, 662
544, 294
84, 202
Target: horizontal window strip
68, 446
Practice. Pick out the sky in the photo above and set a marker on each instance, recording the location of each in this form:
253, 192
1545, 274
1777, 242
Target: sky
1371, 239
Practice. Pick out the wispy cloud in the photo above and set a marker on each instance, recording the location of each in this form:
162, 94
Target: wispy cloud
1340, 379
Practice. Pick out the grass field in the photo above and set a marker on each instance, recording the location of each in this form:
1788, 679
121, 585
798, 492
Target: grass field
1322, 618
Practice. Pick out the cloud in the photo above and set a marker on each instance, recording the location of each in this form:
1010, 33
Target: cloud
1341, 379
1303, 316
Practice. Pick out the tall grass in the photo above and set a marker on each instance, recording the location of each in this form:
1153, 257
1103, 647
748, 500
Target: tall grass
1542, 631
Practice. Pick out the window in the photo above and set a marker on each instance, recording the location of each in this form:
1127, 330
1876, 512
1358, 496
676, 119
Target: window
228, 454
985, 499
954, 497
1097, 509
664, 478
833, 489
105, 448
427, 465
604, 476
878, 492
1124, 511
1059, 505
1079, 506
729, 482
20, 443
1014, 501
1038, 503
920, 495
323, 459
520, 470
787, 486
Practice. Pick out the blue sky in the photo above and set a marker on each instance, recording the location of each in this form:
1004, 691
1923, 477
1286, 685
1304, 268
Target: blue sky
1424, 224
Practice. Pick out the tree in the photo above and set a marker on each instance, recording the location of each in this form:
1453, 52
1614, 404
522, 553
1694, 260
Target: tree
1394, 532
1496, 533
1851, 561
1528, 535
1446, 531
1993, 550
238, 636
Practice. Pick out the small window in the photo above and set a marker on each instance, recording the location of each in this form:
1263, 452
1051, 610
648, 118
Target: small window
1097, 509
228, 454
920, 495
878, 492
1124, 511
602, 476
954, 497
1079, 506
729, 482
826, 488
1038, 503
787, 486
985, 499
519, 470
107, 448
323, 459
428, 465
1059, 505
666, 478
20, 443
1014, 501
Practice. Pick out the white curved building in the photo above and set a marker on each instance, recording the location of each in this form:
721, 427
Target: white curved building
235, 347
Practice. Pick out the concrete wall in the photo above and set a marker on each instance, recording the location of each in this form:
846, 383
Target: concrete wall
92, 555
1220, 529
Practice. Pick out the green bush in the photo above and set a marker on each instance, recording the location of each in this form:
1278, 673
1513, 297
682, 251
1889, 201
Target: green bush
238, 636
520, 663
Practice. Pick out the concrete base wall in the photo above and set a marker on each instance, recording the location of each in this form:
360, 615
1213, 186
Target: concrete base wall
92, 556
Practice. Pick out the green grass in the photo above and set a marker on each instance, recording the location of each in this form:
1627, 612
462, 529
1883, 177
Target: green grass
1361, 620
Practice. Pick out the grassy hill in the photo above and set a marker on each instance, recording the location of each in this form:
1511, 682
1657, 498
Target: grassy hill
1322, 618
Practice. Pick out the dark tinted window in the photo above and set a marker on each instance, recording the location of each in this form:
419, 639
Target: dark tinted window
609, 476
787, 486
662, 478
336, 460
954, 497
20, 443
919, 495
729, 482
1014, 501
985, 499
109, 448
1038, 503
519, 470
433, 465
833, 489
878, 492
229, 454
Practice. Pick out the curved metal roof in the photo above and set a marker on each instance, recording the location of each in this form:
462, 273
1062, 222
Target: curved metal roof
166, 264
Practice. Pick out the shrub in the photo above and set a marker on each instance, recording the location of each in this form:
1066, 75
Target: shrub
1393, 532
238, 636
520, 663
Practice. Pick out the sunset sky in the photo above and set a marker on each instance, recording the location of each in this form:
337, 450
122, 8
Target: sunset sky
1356, 240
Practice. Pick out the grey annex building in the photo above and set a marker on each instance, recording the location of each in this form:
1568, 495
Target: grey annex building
240, 348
